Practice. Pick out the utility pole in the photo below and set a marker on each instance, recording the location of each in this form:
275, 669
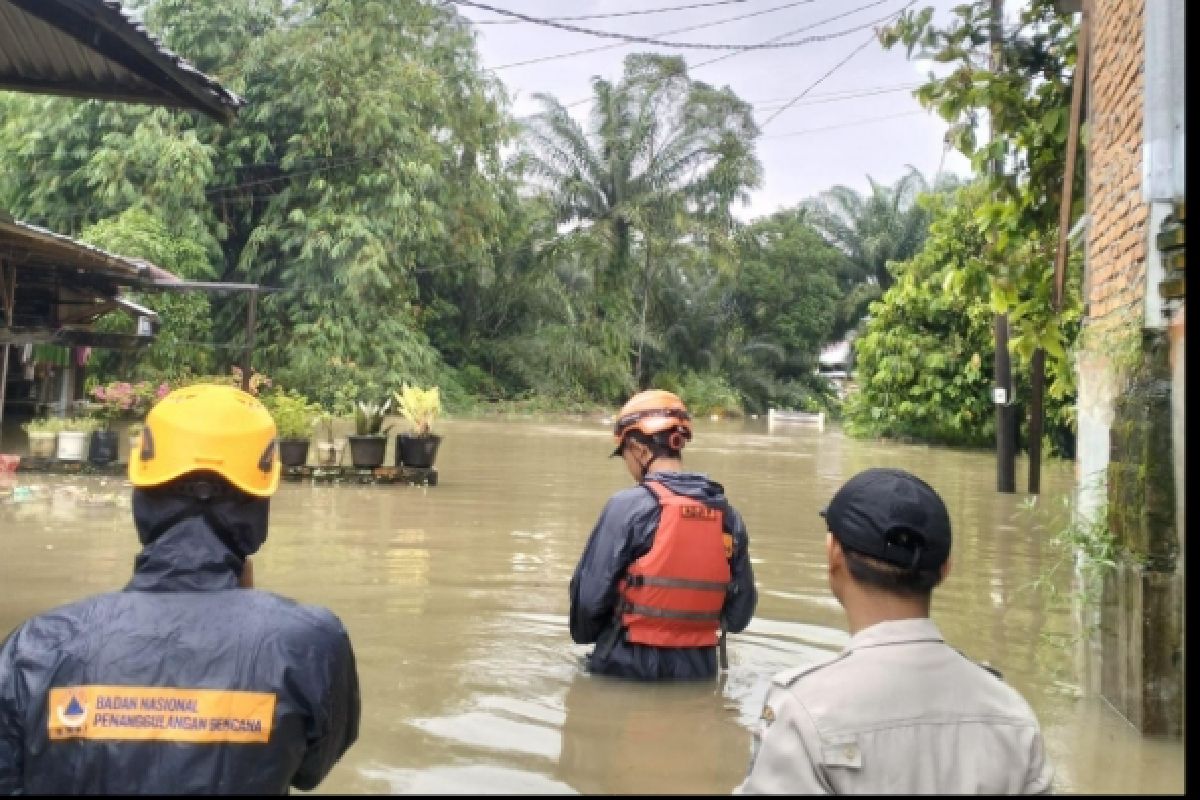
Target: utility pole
1006, 417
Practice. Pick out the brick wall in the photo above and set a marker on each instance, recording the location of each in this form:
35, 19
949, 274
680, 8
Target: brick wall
1117, 227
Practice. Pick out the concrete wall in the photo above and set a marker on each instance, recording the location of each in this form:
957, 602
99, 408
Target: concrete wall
1117, 235
1130, 451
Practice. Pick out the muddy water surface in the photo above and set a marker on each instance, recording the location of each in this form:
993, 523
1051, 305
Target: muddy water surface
456, 601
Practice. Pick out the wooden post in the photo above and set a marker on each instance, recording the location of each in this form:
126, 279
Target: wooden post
1038, 365
3, 392
249, 350
1037, 395
8, 293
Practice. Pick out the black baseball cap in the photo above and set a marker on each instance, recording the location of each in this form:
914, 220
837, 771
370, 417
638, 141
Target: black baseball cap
891, 515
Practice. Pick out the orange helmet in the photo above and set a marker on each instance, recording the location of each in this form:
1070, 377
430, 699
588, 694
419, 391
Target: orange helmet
208, 427
653, 411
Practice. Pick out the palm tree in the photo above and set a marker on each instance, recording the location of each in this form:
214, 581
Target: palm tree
885, 224
872, 230
660, 154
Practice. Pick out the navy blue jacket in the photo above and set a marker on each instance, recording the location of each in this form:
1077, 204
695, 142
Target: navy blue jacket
182, 622
624, 533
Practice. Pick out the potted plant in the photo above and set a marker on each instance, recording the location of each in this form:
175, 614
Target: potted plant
369, 443
116, 401
42, 434
329, 449
420, 407
294, 416
135, 438
104, 443
73, 437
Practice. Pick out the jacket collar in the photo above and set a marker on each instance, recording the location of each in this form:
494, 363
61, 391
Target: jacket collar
188, 557
896, 631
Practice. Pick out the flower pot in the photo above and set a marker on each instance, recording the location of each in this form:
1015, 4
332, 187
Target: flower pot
103, 447
293, 452
42, 444
135, 441
367, 451
417, 451
71, 445
329, 454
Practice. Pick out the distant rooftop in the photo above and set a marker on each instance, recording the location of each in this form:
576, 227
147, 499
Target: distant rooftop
836, 353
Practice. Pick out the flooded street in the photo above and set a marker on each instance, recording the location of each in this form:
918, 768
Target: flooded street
456, 602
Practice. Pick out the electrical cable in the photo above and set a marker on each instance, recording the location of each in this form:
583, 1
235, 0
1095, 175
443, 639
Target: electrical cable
672, 32
832, 70
614, 14
851, 124
775, 38
635, 39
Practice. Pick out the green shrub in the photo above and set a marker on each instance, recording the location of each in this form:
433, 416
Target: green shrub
294, 414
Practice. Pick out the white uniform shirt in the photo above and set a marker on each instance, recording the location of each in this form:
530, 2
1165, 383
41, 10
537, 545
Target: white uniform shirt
898, 712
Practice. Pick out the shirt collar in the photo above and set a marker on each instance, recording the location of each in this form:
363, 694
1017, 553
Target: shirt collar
896, 631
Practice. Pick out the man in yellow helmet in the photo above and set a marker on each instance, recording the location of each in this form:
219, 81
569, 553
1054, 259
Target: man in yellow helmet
188, 680
667, 569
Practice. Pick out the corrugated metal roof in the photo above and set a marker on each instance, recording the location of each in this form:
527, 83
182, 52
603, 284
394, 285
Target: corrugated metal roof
93, 48
25, 245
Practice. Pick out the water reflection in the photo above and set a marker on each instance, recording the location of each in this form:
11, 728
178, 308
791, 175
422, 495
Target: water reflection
456, 600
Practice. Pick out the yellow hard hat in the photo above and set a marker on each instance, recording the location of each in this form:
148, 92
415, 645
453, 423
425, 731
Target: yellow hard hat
653, 411
208, 427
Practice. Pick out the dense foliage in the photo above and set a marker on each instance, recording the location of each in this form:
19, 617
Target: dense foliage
925, 359
1026, 100
418, 234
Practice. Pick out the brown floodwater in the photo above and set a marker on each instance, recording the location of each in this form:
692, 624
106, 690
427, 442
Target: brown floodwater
455, 597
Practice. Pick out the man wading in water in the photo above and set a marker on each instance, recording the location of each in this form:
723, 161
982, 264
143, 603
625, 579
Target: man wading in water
188, 681
666, 570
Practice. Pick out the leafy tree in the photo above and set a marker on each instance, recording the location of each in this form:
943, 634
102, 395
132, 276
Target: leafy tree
786, 294
871, 230
182, 345
363, 160
924, 362
1027, 102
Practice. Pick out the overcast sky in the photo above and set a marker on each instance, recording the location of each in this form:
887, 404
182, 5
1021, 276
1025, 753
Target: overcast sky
836, 134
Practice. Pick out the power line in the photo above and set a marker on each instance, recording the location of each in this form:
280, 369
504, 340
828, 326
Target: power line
672, 32
792, 32
613, 14
834, 97
832, 70
852, 124
776, 38
633, 39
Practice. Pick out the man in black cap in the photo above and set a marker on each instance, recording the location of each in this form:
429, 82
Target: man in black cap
898, 711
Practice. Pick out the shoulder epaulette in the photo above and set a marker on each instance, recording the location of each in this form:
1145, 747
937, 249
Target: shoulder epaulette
990, 669
790, 676
981, 664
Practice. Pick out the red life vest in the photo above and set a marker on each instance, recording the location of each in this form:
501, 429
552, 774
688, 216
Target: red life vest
673, 595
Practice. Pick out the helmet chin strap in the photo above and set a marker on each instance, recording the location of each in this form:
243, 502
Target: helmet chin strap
646, 467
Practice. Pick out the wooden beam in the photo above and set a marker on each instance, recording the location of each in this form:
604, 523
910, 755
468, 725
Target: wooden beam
1037, 378
1064, 212
73, 338
18, 83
